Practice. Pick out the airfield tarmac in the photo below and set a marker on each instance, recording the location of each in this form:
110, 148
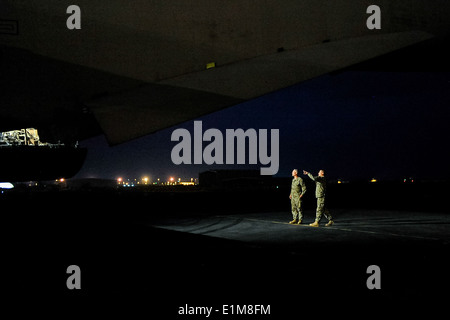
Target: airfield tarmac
361, 226
135, 260
329, 264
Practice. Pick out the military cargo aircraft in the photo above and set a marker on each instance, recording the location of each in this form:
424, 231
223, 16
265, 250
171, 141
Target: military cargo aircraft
75, 69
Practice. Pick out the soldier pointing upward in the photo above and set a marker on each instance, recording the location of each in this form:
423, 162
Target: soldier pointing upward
321, 187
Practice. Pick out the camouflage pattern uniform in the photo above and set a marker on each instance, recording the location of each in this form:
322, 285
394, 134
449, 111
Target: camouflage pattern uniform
321, 188
298, 188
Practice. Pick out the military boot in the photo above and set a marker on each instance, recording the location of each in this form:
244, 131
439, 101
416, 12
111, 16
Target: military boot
293, 221
299, 222
329, 224
314, 224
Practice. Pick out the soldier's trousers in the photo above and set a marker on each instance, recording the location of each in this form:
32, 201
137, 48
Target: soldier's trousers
296, 205
322, 210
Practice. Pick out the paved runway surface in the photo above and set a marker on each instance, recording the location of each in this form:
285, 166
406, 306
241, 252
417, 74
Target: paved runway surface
362, 226
328, 265
154, 263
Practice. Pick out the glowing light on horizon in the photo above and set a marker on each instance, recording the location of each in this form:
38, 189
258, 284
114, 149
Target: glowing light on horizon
6, 185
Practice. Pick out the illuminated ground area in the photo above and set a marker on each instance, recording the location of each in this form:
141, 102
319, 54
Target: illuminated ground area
133, 255
329, 263
363, 226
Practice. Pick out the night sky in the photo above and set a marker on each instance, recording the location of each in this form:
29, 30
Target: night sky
355, 125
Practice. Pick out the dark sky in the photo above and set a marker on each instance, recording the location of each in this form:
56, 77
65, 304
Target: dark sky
356, 125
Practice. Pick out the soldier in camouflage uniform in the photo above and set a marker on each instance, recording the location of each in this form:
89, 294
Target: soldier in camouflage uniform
298, 189
321, 187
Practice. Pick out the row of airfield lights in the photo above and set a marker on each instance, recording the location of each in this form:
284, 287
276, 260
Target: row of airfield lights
146, 181
171, 181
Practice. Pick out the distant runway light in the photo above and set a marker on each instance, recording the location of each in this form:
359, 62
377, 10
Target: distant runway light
6, 185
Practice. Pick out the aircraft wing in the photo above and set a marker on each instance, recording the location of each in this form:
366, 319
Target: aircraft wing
154, 106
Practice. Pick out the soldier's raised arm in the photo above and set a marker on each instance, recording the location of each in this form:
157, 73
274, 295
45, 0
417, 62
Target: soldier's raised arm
312, 177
